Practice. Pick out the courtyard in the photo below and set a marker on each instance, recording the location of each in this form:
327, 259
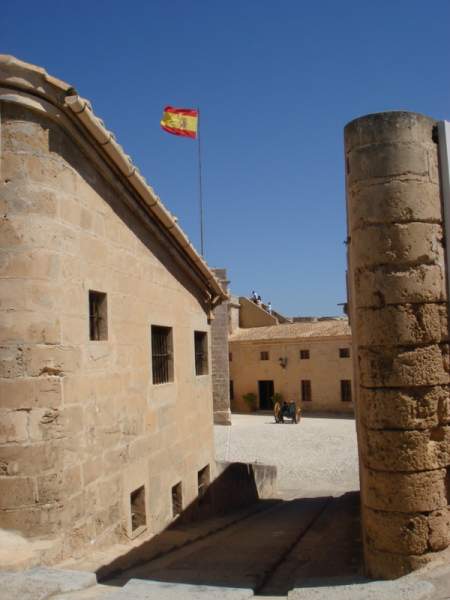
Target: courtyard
316, 457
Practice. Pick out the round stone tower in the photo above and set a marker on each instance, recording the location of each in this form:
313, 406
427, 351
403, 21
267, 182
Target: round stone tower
399, 319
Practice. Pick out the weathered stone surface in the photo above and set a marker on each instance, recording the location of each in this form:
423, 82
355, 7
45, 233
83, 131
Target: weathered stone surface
411, 408
387, 160
406, 451
389, 565
395, 202
389, 127
404, 492
17, 491
398, 244
398, 367
389, 285
402, 325
13, 426
407, 534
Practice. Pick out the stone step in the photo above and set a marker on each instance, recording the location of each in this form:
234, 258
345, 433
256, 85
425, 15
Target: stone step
137, 589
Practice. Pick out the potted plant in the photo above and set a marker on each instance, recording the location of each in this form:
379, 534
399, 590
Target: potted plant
250, 401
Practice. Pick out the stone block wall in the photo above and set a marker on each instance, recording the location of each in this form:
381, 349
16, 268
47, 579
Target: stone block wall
81, 424
219, 357
399, 317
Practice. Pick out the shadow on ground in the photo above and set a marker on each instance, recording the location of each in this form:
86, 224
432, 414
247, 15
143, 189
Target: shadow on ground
279, 546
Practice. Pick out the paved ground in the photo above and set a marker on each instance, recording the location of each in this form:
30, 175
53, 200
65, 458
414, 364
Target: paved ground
316, 457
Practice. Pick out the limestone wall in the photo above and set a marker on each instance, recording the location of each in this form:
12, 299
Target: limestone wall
324, 369
219, 358
399, 317
81, 424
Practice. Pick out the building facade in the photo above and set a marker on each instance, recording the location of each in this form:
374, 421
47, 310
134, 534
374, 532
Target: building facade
106, 396
307, 362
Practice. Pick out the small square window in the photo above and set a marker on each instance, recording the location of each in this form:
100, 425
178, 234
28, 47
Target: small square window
201, 352
346, 390
98, 316
162, 354
177, 499
344, 352
304, 354
306, 390
264, 356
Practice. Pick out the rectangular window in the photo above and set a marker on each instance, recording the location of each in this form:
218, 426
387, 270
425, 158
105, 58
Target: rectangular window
137, 507
201, 352
304, 354
231, 390
203, 481
230, 356
162, 354
344, 352
98, 316
346, 390
177, 499
264, 355
306, 390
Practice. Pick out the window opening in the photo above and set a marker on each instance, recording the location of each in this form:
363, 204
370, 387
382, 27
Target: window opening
177, 499
203, 481
264, 356
344, 352
98, 318
201, 352
137, 506
231, 390
162, 354
304, 354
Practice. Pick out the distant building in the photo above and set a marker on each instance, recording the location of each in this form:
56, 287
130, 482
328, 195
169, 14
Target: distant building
308, 361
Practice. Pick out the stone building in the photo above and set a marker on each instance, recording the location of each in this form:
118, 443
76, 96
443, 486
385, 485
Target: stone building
106, 413
309, 362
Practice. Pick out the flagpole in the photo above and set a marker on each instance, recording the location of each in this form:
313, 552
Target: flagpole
200, 190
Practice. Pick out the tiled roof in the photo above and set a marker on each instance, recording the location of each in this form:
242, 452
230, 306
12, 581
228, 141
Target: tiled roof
329, 328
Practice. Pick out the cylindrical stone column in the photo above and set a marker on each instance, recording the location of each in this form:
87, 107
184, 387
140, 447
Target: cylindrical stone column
399, 318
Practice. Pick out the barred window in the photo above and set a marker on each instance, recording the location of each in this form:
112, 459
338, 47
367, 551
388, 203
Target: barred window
346, 390
98, 316
201, 352
306, 390
264, 355
162, 354
304, 354
344, 352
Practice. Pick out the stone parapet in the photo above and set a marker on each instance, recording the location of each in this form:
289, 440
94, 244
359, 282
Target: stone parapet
399, 316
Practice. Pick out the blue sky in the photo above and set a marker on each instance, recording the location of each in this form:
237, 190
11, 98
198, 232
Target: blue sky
276, 82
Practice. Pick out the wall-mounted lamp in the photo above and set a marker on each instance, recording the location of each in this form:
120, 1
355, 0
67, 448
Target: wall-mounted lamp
283, 361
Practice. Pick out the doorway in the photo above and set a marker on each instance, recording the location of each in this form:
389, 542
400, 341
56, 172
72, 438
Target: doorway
266, 391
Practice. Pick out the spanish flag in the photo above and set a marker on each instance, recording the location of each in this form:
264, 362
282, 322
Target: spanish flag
180, 121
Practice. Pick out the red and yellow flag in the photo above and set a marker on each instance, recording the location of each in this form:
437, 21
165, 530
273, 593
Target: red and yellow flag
180, 121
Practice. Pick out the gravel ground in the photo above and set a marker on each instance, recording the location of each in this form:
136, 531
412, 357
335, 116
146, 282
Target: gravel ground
316, 457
